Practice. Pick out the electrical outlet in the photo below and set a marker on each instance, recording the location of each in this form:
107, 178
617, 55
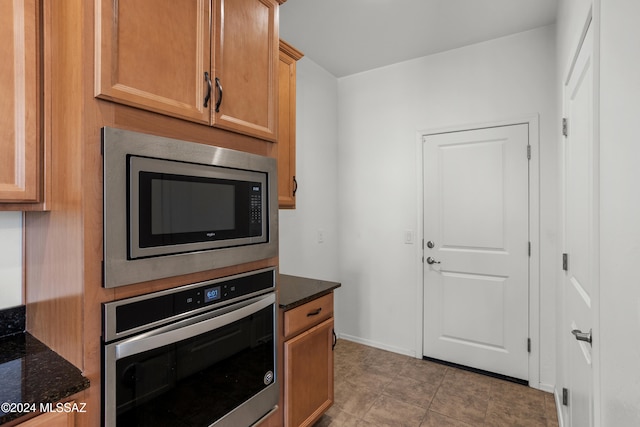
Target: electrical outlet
320, 236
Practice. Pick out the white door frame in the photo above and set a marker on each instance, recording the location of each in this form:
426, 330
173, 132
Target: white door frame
534, 230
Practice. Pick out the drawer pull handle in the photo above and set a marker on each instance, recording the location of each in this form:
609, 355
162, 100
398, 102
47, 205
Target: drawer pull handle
314, 312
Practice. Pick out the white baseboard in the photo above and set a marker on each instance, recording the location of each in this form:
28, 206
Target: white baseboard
370, 343
549, 388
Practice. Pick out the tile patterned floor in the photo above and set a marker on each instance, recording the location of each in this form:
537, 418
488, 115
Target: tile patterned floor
377, 388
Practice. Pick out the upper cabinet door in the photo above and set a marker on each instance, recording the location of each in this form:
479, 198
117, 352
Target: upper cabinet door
153, 54
246, 67
20, 170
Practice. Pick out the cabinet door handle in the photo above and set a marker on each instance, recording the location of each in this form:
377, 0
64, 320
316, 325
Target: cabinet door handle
295, 186
314, 312
335, 339
219, 101
208, 95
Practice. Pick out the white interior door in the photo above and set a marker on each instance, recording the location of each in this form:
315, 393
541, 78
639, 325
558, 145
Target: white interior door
580, 227
476, 200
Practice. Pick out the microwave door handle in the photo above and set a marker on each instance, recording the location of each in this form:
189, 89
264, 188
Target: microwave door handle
156, 339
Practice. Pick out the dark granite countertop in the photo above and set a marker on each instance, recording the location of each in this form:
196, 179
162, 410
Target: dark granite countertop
32, 373
295, 291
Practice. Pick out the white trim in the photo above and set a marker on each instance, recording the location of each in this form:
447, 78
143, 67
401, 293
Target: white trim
559, 406
532, 121
376, 344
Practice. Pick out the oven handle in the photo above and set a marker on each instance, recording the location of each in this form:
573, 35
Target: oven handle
188, 328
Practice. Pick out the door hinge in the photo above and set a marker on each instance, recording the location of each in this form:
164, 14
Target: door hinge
529, 249
529, 152
565, 262
565, 127
565, 397
528, 345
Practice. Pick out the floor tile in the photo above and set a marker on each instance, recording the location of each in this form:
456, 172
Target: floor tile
375, 388
467, 406
336, 417
433, 419
387, 411
353, 400
411, 391
425, 371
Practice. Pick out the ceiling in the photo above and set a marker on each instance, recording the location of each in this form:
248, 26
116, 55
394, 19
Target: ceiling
351, 36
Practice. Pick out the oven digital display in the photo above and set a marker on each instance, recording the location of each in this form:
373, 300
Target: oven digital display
212, 294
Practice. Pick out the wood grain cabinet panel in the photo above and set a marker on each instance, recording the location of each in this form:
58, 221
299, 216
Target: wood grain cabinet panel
308, 361
307, 315
287, 184
153, 54
51, 419
20, 146
209, 61
308, 366
246, 64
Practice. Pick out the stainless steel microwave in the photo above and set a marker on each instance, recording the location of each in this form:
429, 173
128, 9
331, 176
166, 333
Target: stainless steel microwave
174, 207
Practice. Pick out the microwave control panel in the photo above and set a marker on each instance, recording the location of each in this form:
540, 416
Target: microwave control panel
255, 210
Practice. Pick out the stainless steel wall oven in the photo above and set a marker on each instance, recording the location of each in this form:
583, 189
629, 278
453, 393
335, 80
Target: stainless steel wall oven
203, 354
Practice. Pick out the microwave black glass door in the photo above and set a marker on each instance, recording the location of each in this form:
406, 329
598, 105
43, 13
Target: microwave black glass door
178, 209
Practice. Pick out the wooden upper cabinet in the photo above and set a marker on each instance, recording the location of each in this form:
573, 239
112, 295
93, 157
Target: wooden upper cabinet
287, 184
188, 59
246, 64
20, 145
153, 54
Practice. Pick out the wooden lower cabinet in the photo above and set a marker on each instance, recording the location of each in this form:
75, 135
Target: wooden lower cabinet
51, 419
308, 372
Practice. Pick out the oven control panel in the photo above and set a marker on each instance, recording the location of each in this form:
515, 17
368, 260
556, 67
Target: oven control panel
132, 313
194, 299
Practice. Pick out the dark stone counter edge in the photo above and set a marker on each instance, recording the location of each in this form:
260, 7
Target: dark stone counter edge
45, 376
295, 291
12, 321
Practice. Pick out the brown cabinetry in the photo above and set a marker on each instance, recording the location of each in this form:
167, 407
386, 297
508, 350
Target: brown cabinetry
287, 184
51, 419
165, 56
308, 361
20, 144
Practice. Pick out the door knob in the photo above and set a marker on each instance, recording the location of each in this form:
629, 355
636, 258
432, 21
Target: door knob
432, 261
582, 336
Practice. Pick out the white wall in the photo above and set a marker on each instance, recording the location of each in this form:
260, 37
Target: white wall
317, 174
380, 113
10, 259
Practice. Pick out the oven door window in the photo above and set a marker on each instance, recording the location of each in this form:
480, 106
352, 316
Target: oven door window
197, 381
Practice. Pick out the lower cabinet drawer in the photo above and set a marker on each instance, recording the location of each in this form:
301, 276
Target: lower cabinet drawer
307, 315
